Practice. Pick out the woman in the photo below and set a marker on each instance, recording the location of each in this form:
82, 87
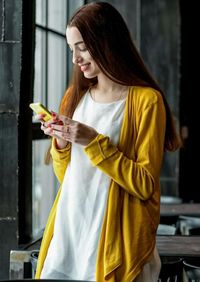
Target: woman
107, 149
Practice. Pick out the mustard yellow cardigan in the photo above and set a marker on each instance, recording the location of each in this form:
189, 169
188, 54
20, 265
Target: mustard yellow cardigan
133, 209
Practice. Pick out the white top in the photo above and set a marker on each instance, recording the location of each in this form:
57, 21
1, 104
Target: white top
80, 211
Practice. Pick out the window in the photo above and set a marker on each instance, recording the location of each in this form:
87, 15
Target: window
52, 69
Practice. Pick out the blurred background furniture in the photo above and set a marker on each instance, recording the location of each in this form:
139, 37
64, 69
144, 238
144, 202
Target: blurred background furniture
165, 229
173, 209
189, 225
20, 265
191, 267
185, 217
171, 269
33, 260
176, 245
170, 200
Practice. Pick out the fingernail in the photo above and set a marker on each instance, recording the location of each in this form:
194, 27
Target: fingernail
53, 114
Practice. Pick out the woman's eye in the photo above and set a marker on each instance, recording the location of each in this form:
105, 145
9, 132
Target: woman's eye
79, 48
82, 49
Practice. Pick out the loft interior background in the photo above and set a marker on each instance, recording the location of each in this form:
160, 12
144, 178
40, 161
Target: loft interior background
35, 65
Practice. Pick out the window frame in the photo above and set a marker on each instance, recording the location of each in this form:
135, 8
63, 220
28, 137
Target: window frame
29, 130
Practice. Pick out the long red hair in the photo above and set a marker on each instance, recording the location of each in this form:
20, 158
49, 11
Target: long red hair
109, 42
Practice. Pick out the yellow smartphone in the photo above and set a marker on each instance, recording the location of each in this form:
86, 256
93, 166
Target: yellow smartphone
38, 108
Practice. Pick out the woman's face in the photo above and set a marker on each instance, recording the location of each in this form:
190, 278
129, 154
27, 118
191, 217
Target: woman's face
81, 55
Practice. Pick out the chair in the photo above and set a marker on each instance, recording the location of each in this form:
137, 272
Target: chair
33, 259
187, 223
192, 269
171, 269
194, 231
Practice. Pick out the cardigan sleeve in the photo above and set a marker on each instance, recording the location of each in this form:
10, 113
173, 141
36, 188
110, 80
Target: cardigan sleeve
137, 176
61, 159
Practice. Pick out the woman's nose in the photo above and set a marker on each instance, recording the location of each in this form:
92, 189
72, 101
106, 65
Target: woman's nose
76, 58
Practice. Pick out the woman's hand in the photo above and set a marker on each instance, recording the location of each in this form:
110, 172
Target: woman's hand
46, 128
70, 130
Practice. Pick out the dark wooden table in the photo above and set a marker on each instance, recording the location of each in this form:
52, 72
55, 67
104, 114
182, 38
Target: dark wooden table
180, 209
183, 246
170, 213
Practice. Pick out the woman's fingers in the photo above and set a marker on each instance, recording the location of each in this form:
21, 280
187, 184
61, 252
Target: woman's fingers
62, 135
39, 117
66, 120
69, 130
64, 128
49, 131
75, 132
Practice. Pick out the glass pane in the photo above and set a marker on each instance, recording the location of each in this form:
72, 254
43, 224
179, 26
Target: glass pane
57, 61
45, 186
41, 12
40, 67
57, 15
73, 5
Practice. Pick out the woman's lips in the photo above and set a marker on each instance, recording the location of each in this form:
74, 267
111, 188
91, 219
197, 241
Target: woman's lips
84, 67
